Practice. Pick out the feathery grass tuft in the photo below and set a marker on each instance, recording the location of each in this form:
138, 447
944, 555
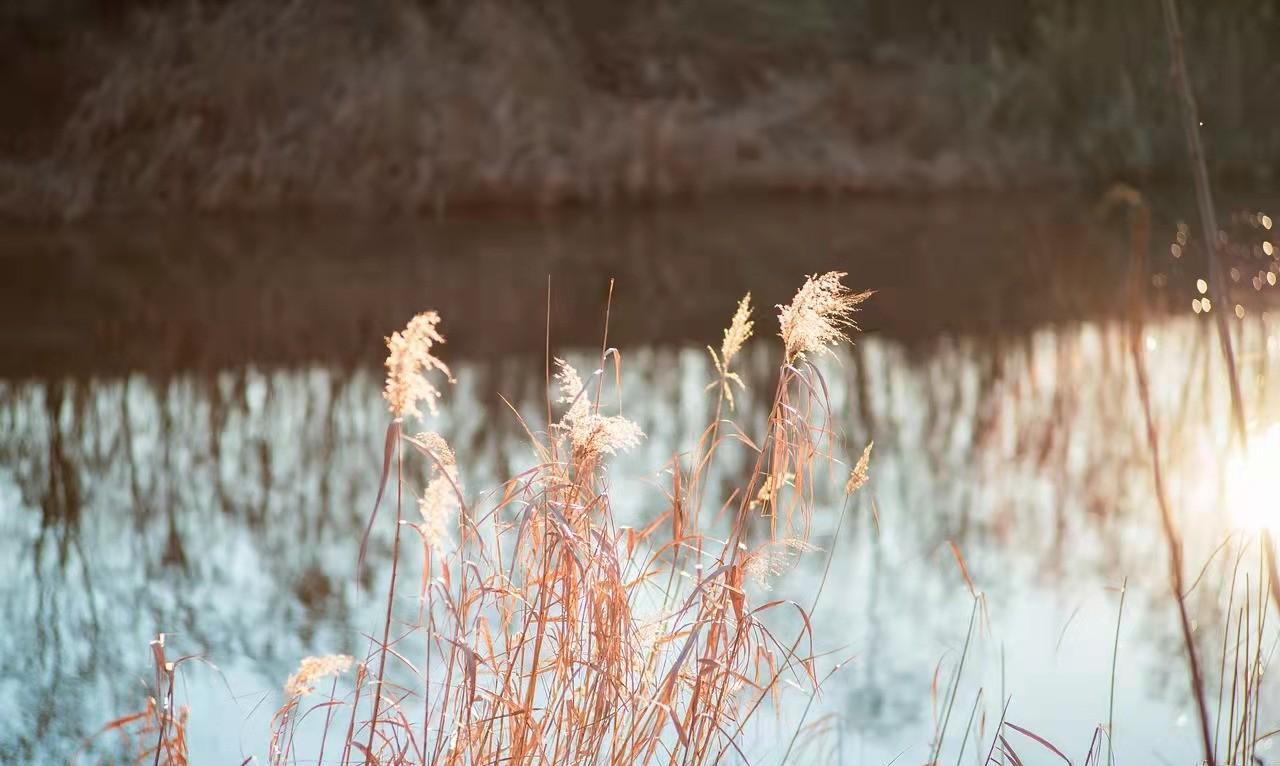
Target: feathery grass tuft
551, 635
819, 316
409, 361
735, 336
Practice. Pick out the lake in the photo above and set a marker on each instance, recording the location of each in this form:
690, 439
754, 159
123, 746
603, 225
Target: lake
191, 427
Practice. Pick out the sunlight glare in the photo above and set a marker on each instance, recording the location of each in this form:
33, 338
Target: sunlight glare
1253, 482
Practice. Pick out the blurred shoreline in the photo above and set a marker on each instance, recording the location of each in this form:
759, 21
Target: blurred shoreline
175, 293
427, 107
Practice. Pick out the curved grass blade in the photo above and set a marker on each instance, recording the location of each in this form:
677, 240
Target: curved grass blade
393, 432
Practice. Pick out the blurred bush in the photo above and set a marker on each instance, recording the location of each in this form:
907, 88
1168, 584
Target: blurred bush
128, 104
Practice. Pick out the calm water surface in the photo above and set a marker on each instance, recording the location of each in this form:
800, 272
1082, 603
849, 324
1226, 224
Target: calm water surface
191, 423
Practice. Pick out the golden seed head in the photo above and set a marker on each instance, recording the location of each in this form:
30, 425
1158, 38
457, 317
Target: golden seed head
604, 434
438, 447
774, 558
409, 360
440, 499
571, 392
859, 475
819, 315
591, 433
738, 331
312, 669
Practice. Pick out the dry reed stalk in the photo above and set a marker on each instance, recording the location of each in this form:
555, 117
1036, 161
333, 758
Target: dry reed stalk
158, 732
1140, 224
1213, 249
1209, 225
1111, 697
549, 637
565, 658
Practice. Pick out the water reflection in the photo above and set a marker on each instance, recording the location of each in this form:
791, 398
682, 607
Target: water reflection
226, 509
189, 442
172, 296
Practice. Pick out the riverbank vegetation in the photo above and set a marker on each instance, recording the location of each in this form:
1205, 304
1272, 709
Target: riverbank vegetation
541, 630
417, 106
527, 622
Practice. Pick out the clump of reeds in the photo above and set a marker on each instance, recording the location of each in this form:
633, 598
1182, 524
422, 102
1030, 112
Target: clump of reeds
545, 632
158, 732
250, 105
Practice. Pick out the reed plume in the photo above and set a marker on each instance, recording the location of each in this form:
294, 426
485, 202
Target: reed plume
440, 498
735, 336
591, 433
311, 670
861, 471
774, 558
819, 316
548, 638
409, 362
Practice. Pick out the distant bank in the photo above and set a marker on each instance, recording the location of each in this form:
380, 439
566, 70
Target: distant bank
133, 106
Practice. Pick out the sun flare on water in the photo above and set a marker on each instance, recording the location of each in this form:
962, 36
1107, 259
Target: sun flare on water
1253, 482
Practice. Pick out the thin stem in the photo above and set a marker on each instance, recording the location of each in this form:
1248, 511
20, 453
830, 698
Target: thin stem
1174, 546
955, 686
968, 727
1115, 654
1204, 199
1209, 223
391, 588
328, 717
1139, 220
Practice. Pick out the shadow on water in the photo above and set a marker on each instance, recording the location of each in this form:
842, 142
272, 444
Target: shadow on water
177, 296
190, 416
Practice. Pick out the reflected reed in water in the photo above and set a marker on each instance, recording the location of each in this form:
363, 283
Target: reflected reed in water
159, 498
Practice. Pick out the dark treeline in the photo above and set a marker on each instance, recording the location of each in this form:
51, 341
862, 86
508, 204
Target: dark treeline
125, 104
